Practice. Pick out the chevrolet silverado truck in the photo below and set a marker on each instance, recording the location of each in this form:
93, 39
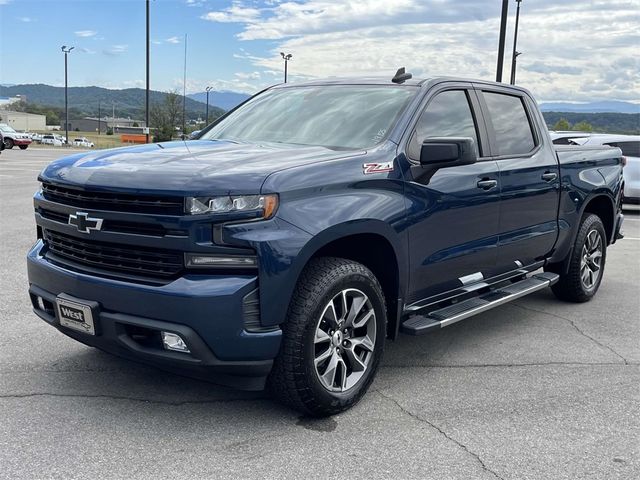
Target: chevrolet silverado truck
315, 221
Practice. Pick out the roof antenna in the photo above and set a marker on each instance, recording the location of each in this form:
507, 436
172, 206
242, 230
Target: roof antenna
401, 76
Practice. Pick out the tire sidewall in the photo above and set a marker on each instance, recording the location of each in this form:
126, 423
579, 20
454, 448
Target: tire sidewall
365, 284
590, 223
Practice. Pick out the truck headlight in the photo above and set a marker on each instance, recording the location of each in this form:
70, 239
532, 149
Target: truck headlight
264, 204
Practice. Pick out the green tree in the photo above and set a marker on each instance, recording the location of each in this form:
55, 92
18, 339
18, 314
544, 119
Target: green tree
562, 125
583, 127
165, 116
135, 124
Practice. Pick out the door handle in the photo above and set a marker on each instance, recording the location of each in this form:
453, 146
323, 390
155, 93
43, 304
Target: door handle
549, 176
487, 184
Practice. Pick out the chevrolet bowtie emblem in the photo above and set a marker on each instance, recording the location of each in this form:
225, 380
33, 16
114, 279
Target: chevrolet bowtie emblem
83, 223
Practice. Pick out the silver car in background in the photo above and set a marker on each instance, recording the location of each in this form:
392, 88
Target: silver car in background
630, 146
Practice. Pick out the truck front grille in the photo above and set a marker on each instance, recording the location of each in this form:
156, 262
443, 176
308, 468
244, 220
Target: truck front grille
138, 261
116, 202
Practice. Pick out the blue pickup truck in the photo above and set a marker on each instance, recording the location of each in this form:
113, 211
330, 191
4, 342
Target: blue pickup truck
299, 232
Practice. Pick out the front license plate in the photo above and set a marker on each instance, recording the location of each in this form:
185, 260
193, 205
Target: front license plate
75, 315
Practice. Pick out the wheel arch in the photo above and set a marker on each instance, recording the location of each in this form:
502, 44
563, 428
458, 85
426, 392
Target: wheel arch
604, 207
375, 245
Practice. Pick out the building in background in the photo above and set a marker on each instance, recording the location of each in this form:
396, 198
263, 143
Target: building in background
5, 101
91, 124
21, 121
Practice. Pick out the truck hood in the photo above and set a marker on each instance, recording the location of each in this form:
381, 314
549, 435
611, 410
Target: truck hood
184, 168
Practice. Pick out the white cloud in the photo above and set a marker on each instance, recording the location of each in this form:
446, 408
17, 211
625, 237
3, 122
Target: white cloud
237, 13
86, 33
116, 50
173, 40
87, 50
248, 76
26, 19
571, 50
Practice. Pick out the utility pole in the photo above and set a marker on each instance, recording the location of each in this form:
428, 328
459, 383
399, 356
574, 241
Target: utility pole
146, 97
286, 59
99, 113
184, 91
516, 54
66, 50
206, 122
503, 36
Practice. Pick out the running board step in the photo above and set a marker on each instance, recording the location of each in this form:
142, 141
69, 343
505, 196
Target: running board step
421, 324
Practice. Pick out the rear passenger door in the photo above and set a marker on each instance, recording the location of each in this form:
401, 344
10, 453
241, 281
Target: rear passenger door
529, 178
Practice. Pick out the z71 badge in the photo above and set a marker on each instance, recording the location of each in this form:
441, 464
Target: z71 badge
370, 168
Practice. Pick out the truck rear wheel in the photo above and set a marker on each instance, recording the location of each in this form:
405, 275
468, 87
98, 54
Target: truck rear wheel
586, 263
333, 338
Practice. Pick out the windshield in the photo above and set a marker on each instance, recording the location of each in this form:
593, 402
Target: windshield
333, 116
7, 129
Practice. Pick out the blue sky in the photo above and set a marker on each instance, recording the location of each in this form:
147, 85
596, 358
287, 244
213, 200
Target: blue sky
575, 50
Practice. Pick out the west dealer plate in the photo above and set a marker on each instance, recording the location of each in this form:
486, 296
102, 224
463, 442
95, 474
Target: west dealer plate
75, 315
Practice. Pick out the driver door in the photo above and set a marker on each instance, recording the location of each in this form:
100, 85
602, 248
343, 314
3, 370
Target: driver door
453, 212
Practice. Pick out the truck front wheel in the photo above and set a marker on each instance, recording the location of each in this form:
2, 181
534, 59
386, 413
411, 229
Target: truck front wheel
333, 338
580, 282
8, 143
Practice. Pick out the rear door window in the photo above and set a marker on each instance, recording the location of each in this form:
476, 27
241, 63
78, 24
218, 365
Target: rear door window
513, 133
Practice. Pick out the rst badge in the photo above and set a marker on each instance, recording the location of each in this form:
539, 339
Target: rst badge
370, 168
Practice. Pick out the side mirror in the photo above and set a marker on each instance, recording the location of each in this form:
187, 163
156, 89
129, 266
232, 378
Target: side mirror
448, 152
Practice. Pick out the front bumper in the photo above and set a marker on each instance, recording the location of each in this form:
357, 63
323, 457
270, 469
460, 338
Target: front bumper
22, 141
207, 311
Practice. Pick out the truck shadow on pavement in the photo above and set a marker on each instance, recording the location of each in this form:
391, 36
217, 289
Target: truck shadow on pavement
488, 339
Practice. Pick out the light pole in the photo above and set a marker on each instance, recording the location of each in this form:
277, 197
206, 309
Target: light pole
146, 96
515, 44
513, 67
206, 122
66, 50
286, 59
184, 91
503, 36
99, 112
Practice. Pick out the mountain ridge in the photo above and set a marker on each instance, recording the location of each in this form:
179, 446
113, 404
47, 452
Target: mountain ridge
127, 102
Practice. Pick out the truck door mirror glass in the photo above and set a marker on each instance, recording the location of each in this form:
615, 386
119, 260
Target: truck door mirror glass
448, 152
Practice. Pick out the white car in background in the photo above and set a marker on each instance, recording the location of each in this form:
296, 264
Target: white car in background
83, 142
568, 137
630, 146
11, 138
50, 139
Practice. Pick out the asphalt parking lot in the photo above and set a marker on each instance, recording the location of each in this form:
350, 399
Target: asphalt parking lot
533, 390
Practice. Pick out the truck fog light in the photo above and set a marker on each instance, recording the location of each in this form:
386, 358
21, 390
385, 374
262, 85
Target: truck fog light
173, 341
195, 260
40, 303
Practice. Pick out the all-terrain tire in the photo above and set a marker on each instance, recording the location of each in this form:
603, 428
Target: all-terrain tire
572, 286
295, 379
